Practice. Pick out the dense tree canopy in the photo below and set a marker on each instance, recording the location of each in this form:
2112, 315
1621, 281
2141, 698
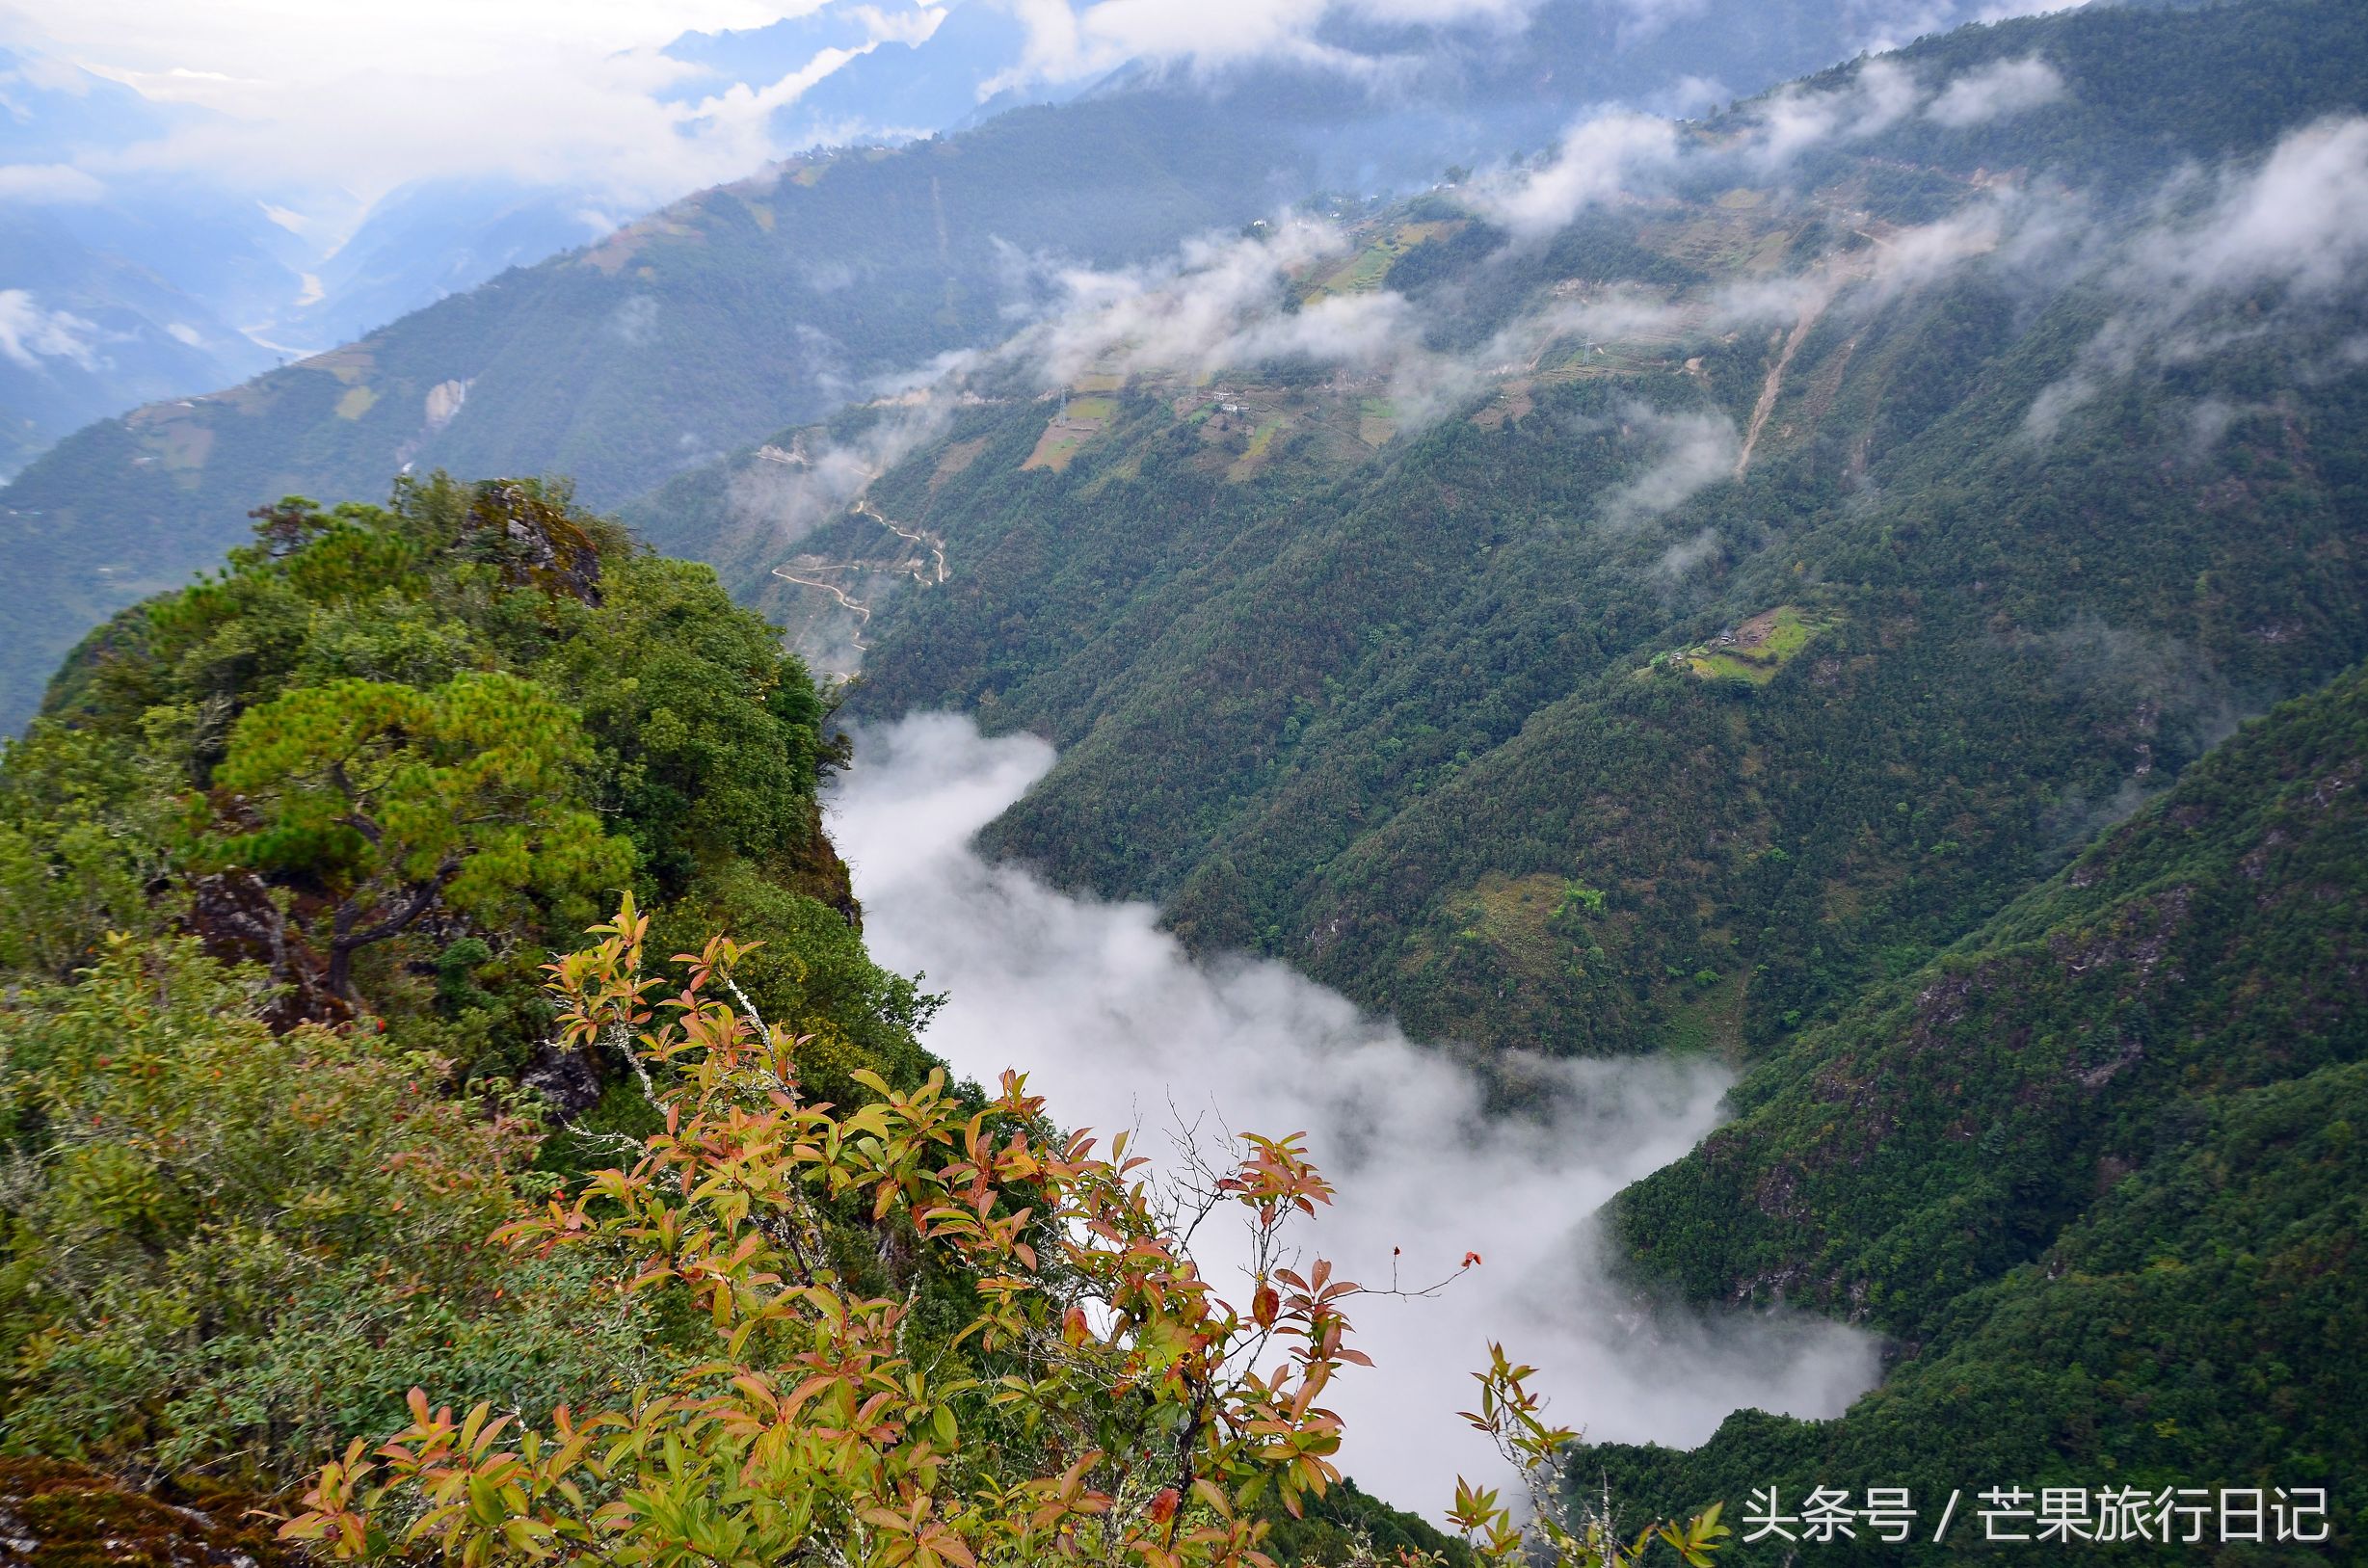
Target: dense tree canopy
395, 802
277, 874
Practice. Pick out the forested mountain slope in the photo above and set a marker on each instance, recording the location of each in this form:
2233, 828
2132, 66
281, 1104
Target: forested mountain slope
300, 1028
89, 335
377, 770
2095, 1168
1788, 572
702, 327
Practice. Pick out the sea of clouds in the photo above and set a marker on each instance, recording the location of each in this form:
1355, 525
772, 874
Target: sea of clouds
1121, 1029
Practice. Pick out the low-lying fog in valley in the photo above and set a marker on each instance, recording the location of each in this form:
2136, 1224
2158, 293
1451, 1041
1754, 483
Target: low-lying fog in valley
1120, 1030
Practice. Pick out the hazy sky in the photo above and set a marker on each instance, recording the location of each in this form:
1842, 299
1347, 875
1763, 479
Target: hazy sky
261, 37
322, 96
365, 94
317, 97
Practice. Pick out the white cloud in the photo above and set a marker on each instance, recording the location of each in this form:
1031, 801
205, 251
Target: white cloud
1596, 161
2295, 228
1119, 1029
2054, 402
1601, 159
741, 106
1183, 313
1223, 304
1073, 39
2007, 10
1690, 98
47, 182
1226, 301
1692, 451
1067, 41
898, 25
1911, 259
38, 71
364, 97
331, 106
1686, 554
1795, 120
786, 495
2302, 221
634, 319
2008, 87
30, 333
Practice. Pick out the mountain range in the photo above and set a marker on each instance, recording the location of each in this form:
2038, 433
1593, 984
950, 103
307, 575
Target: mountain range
1599, 539
141, 283
688, 332
1794, 607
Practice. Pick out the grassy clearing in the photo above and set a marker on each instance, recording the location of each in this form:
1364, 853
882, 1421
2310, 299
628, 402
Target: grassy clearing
1515, 915
1512, 403
1060, 445
1365, 271
1084, 418
348, 364
613, 255
181, 445
1717, 239
1511, 914
1703, 1019
1754, 651
955, 459
1254, 456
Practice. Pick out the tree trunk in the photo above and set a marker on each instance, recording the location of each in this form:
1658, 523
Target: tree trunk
344, 938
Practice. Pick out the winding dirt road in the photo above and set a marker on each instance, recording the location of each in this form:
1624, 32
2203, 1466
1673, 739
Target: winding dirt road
930, 541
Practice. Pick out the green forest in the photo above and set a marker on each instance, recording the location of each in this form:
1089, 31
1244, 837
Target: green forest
2093, 1166
1381, 715
1888, 623
286, 856
287, 1086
